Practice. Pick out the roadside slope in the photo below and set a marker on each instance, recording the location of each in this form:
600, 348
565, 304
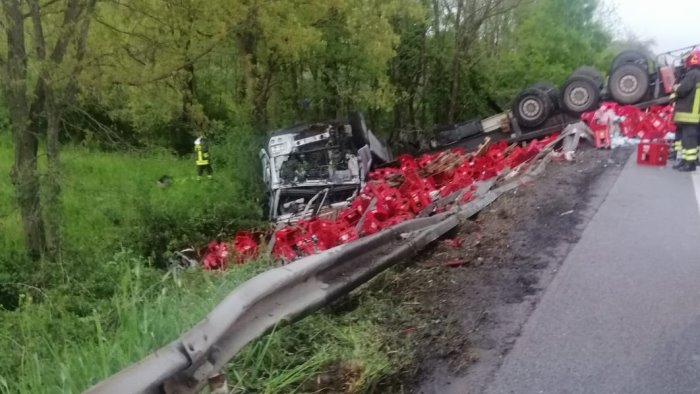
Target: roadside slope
512, 251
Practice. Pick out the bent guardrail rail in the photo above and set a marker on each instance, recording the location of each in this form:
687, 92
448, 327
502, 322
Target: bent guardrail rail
286, 294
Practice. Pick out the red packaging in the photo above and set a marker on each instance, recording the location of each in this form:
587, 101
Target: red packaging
245, 246
652, 153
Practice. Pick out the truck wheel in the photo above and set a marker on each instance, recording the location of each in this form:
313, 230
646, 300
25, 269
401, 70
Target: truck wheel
627, 57
579, 94
629, 84
532, 107
590, 72
359, 129
550, 89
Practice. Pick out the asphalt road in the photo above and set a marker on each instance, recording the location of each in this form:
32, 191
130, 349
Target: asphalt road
623, 313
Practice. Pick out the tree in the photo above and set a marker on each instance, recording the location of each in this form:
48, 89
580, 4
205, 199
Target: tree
58, 63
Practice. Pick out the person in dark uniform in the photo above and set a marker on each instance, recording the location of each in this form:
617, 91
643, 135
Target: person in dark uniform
687, 112
201, 150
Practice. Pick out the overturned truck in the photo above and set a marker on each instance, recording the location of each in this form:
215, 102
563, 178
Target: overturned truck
317, 169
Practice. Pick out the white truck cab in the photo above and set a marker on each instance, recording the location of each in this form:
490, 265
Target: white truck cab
317, 169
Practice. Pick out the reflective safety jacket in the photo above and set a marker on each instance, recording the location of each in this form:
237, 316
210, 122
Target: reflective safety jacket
202, 151
688, 98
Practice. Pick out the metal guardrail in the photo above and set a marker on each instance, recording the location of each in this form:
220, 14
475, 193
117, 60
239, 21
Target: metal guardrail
286, 294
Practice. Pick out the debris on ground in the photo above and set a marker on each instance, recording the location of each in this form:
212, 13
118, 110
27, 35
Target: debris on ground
574, 133
414, 186
455, 263
417, 186
454, 242
511, 259
615, 125
243, 248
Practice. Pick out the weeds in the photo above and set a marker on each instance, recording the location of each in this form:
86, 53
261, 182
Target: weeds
67, 325
54, 350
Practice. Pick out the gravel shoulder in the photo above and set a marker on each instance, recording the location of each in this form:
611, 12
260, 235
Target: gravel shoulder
473, 291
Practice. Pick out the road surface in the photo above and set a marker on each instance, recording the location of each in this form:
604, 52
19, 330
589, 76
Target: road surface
623, 314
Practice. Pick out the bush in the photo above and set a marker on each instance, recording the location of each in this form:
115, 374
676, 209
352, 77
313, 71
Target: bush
190, 213
209, 209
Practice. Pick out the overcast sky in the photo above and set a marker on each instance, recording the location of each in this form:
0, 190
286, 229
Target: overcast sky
671, 24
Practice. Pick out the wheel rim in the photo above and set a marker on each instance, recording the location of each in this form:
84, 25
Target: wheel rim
579, 96
530, 108
628, 84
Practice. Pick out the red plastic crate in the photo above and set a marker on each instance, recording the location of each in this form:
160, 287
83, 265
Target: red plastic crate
652, 153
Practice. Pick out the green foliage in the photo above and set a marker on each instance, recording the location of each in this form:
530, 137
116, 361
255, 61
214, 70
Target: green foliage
113, 199
58, 349
55, 348
292, 357
550, 40
157, 73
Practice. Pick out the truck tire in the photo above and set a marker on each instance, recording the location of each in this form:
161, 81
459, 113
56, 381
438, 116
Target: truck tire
629, 84
458, 132
590, 72
532, 107
627, 57
550, 89
359, 129
580, 94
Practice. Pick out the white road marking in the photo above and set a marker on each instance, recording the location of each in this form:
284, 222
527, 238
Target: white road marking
696, 186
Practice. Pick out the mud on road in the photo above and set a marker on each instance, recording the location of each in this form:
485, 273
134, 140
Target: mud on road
474, 290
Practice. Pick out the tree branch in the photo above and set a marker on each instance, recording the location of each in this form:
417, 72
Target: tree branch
39, 41
42, 6
121, 31
187, 63
81, 50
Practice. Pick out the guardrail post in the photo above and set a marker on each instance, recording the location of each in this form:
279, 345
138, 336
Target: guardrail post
218, 384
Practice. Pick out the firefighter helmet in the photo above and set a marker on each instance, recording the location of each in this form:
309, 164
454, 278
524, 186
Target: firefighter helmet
692, 59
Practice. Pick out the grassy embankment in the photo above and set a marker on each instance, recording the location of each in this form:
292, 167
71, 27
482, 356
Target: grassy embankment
66, 325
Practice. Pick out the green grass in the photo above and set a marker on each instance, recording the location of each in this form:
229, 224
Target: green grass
49, 349
10, 236
107, 304
54, 350
105, 196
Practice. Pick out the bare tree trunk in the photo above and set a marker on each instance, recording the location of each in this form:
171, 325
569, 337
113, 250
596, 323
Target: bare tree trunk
263, 85
52, 105
436, 18
53, 214
456, 62
427, 66
189, 95
24, 172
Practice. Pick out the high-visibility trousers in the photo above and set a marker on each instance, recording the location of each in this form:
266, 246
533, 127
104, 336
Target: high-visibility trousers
689, 135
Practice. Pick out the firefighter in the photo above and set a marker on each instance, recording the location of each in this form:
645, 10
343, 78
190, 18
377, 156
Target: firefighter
687, 112
677, 148
201, 149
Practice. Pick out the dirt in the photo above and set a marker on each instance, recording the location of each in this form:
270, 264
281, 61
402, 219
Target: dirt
339, 377
472, 292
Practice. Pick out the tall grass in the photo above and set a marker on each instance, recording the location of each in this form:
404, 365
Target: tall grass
69, 324
111, 199
51, 350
